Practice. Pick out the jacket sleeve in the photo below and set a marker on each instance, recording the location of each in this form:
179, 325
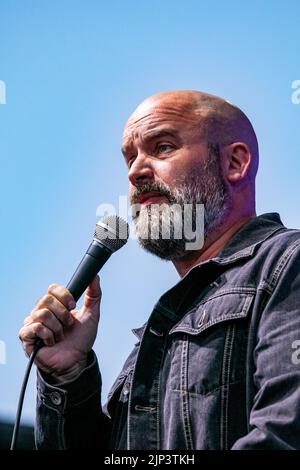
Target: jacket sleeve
275, 413
69, 415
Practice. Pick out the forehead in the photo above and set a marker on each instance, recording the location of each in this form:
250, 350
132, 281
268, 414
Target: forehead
148, 117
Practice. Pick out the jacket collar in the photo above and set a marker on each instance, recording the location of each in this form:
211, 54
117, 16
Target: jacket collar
250, 236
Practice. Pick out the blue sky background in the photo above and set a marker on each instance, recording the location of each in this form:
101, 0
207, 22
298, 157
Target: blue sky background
74, 71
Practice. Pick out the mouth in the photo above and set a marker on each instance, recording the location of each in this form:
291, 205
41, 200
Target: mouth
152, 197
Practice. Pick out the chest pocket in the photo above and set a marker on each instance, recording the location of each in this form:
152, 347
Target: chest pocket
207, 348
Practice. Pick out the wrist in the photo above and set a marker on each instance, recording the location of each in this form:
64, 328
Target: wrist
70, 374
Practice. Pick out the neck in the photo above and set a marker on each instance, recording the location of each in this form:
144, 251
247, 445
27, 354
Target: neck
213, 245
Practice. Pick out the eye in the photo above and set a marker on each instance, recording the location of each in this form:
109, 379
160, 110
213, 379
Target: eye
130, 161
164, 148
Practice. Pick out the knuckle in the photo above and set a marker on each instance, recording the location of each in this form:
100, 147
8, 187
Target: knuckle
68, 296
40, 315
67, 302
48, 299
44, 314
53, 287
45, 300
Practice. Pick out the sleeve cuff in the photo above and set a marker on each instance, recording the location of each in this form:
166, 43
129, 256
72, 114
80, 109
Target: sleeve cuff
66, 395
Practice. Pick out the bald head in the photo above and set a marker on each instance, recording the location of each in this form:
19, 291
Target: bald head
188, 147
219, 122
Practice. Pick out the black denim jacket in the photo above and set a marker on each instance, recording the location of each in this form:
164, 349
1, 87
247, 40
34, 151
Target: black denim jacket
217, 366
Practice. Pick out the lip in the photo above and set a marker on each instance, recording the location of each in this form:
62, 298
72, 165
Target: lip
150, 198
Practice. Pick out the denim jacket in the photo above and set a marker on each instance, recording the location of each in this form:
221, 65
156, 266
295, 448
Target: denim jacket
216, 366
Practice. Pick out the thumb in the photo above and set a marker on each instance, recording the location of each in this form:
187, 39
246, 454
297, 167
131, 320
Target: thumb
93, 295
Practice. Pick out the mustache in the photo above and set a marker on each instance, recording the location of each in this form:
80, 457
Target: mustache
161, 188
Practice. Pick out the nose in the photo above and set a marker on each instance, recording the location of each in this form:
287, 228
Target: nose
141, 171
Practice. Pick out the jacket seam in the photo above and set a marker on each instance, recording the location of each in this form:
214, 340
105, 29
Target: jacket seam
59, 427
63, 421
185, 397
229, 290
200, 395
228, 348
279, 268
84, 400
158, 394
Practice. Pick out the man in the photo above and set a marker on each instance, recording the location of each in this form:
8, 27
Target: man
216, 365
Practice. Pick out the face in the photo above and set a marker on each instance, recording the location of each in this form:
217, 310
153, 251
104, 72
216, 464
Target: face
170, 163
162, 143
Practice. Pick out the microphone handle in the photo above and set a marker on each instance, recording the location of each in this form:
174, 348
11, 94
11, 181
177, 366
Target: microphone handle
93, 260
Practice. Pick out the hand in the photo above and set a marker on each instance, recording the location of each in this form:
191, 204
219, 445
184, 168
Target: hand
68, 334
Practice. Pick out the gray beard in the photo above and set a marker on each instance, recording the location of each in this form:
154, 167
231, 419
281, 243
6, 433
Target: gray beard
207, 188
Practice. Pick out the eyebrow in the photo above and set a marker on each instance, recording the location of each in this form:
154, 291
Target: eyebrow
151, 135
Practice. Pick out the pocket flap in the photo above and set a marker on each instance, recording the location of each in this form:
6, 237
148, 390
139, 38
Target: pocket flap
223, 306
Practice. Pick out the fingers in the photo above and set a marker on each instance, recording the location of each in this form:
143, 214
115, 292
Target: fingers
56, 304
93, 295
63, 295
29, 333
49, 320
94, 291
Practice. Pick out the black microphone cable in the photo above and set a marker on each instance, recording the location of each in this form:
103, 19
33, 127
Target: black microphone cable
38, 345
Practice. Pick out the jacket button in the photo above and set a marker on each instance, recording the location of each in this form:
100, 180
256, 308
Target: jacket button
56, 398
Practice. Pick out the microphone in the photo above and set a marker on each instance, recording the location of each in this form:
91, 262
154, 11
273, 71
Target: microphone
111, 234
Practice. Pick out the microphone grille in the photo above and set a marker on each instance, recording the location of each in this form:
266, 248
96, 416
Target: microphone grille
112, 231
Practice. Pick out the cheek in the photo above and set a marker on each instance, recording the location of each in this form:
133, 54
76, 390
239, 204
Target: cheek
172, 173
169, 172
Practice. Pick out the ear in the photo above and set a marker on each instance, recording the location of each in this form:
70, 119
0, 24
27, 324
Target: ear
237, 162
